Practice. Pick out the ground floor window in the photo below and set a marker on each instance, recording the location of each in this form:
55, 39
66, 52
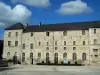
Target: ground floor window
8, 54
47, 57
56, 58
31, 58
23, 57
64, 55
74, 56
83, 56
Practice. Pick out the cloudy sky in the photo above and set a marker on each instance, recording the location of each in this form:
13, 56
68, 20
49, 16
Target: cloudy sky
47, 11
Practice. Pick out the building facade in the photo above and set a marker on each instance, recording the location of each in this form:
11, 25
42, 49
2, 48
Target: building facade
54, 43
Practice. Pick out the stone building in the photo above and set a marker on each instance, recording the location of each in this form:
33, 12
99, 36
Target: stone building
53, 43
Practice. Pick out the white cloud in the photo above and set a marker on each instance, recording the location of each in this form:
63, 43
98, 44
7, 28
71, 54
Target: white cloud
36, 3
10, 15
74, 7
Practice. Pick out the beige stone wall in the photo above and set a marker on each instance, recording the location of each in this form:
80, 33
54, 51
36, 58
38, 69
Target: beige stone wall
12, 49
92, 36
72, 35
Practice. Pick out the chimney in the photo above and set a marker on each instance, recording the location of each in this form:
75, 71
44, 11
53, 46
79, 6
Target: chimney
40, 24
27, 25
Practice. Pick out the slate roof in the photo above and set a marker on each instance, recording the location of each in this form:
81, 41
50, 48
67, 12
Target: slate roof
64, 26
16, 26
57, 27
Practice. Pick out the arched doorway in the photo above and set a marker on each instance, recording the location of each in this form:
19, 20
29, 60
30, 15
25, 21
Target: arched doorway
39, 57
23, 57
65, 58
47, 58
31, 58
56, 58
15, 58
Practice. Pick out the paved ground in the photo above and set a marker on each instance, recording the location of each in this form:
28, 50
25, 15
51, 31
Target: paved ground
50, 70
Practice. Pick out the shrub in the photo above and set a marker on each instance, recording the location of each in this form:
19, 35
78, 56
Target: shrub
42, 61
10, 60
68, 62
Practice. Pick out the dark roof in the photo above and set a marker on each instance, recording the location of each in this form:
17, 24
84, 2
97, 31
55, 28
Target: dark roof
56, 27
64, 26
16, 26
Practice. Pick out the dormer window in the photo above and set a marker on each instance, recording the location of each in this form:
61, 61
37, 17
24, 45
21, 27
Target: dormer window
64, 33
31, 34
47, 33
94, 31
83, 32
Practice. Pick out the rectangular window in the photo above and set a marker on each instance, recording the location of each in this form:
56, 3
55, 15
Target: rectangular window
47, 43
64, 42
64, 33
83, 42
47, 48
9, 34
95, 41
31, 34
96, 56
9, 43
47, 33
55, 42
83, 32
95, 50
16, 43
94, 31
74, 48
8, 54
23, 46
65, 48
74, 43
16, 34
56, 48
31, 46
39, 43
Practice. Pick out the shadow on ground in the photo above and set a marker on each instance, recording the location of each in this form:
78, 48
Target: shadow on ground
7, 68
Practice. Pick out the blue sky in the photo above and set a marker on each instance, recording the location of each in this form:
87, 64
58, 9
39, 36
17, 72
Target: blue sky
47, 12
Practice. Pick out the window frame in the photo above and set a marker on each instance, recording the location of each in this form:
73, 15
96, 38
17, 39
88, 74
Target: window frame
74, 42
95, 41
83, 32
16, 43
56, 48
74, 48
9, 43
64, 42
31, 46
84, 57
16, 34
94, 31
39, 43
65, 33
8, 54
47, 33
32, 34
83, 42
9, 34
23, 46
74, 56
65, 48
56, 43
